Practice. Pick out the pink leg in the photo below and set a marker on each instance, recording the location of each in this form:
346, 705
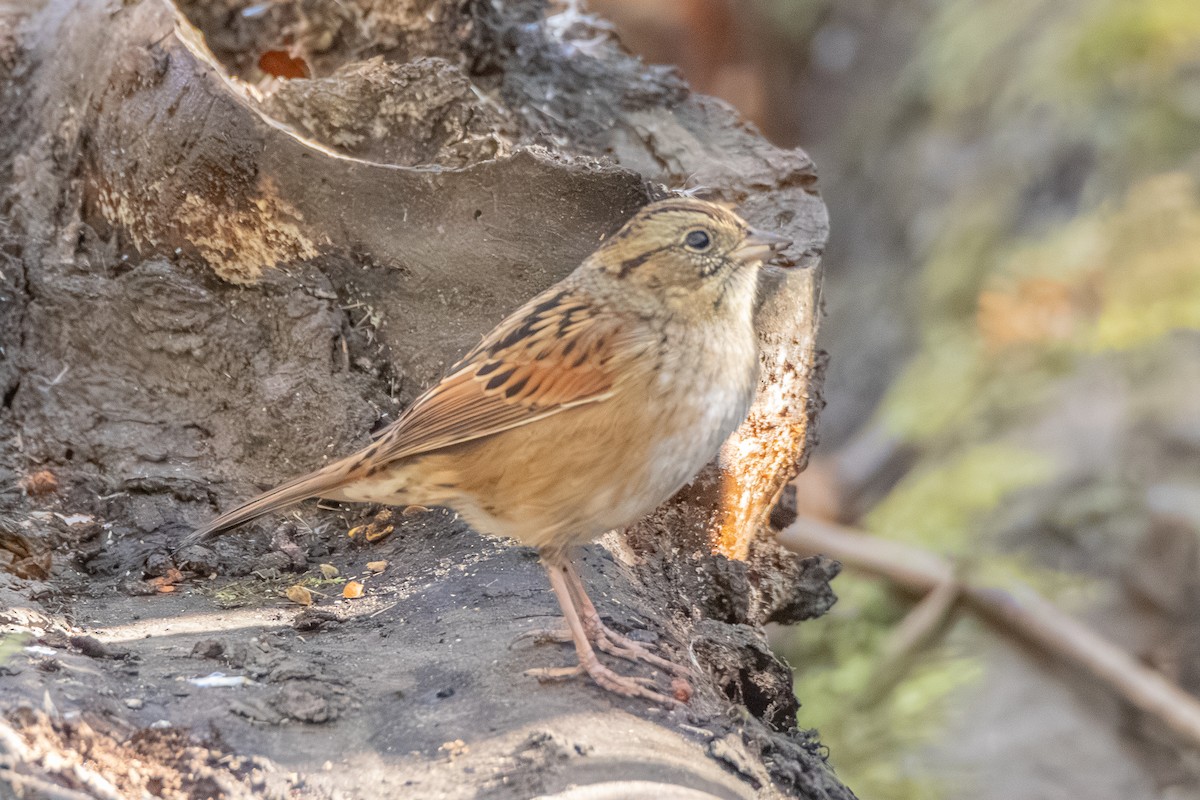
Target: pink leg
557, 570
605, 637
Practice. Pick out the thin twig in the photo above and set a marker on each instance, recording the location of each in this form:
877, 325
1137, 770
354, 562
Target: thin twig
920, 629
379, 611
1022, 613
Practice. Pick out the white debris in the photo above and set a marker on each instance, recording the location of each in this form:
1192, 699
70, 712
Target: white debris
38, 650
74, 519
219, 680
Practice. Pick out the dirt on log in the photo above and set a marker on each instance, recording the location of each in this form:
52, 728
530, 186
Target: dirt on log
238, 236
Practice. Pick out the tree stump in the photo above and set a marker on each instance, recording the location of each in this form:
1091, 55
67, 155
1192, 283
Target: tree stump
239, 236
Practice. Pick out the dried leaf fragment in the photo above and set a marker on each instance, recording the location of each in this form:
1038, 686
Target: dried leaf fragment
299, 594
329, 571
165, 584
374, 535
282, 64
38, 483
376, 566
376, 529
352, 590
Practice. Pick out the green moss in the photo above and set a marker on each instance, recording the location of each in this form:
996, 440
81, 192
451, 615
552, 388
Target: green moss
1117, 278
972, 50
837, 657
1133, 40
12, 644
1152, 265
939, 505
794, 19
937, 390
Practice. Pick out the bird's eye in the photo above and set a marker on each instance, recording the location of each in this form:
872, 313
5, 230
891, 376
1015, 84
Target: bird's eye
698, 240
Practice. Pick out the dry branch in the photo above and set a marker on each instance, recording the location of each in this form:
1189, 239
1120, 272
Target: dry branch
1021, 613
923, 626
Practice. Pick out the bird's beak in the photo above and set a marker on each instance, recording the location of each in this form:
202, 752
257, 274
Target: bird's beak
760, 246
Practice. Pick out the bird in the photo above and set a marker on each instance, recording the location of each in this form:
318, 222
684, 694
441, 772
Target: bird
581, 412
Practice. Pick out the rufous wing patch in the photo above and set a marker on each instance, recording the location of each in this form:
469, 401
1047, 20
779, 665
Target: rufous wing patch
556, 352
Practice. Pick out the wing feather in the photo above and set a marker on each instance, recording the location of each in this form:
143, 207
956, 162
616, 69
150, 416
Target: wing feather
556, 352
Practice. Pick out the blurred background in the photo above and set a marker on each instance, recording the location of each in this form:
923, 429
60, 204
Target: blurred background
1013, 316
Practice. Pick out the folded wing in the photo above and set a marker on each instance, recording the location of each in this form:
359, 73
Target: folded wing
557, 352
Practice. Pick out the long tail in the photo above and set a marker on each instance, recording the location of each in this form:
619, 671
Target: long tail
314, 484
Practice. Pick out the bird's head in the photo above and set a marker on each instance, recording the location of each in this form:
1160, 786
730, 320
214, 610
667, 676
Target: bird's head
688, 253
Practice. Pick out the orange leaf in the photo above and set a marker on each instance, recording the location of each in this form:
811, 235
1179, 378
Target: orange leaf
282, 64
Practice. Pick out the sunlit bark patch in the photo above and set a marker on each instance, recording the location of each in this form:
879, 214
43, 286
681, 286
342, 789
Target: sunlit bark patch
771, 446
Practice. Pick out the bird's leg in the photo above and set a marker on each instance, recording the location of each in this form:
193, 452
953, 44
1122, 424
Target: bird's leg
605, 637
556, 569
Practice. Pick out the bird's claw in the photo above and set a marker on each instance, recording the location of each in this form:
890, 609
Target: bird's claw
542, 636
609, 641
625, 685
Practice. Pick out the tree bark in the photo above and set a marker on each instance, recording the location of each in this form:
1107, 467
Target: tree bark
216, 276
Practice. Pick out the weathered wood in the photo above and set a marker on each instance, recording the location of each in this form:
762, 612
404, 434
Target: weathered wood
224, 281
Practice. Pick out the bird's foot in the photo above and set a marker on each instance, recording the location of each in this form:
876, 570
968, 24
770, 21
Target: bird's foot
625, 685
542, 636
608, 641
613, 643
589, 634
